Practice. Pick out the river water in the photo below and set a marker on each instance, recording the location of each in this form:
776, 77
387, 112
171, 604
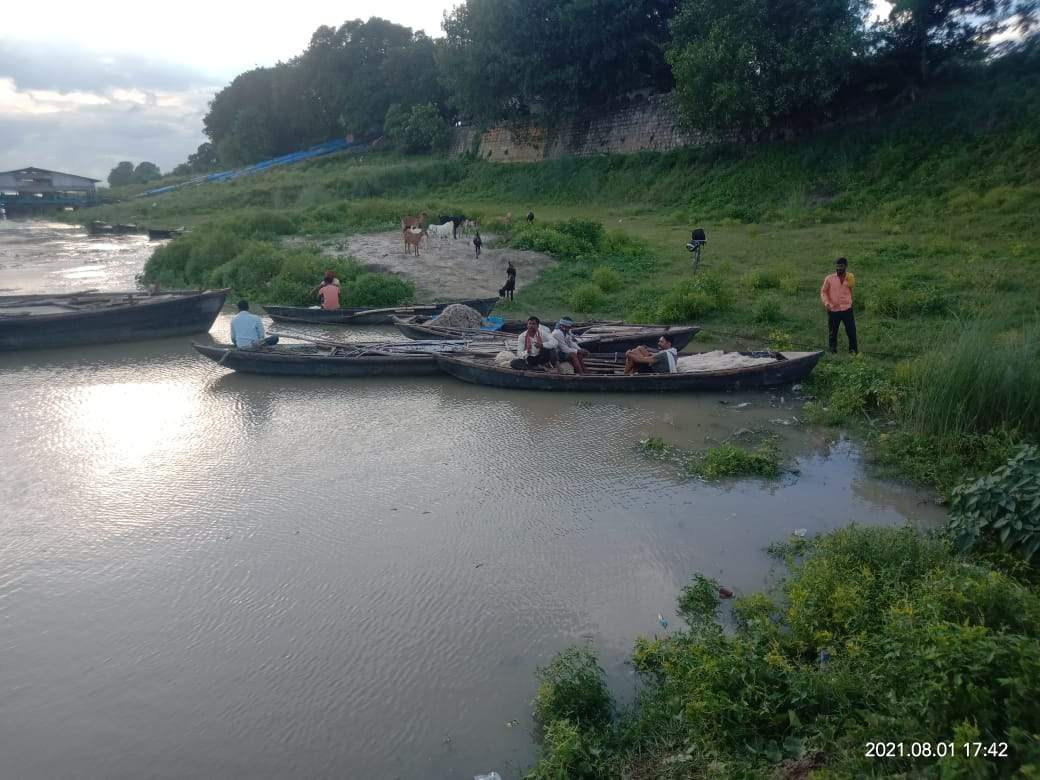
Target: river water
212, 575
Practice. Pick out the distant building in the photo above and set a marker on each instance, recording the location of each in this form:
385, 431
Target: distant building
31, 191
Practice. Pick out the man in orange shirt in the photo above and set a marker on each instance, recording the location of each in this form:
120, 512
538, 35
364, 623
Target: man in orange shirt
836, 294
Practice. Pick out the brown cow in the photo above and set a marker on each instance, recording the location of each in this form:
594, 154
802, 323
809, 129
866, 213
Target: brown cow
412, 240
414, 222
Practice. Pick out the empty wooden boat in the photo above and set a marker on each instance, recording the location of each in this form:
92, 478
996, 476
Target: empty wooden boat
39, 321
368, 316
362, 360
608, 375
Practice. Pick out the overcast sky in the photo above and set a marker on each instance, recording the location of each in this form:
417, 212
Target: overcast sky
85, 85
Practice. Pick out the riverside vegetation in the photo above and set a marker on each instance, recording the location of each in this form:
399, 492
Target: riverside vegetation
875, 634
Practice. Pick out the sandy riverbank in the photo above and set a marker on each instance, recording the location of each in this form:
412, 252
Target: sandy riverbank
445, 268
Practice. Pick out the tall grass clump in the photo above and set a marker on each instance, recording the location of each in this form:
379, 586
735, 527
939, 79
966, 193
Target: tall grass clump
984, 381
693, 298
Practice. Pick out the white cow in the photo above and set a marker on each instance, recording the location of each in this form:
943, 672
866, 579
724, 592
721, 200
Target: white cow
447, 230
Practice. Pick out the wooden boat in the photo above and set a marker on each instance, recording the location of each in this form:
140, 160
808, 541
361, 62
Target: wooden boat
38, 321
363, 316
158, 234
608, 376
594, 337
365, 360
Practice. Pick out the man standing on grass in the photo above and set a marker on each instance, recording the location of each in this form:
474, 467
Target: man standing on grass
836, 294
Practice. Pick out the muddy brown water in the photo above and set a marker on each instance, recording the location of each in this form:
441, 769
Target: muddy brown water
213, 575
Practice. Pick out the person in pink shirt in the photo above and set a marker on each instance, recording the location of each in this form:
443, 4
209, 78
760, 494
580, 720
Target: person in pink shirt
836, 294
328, 291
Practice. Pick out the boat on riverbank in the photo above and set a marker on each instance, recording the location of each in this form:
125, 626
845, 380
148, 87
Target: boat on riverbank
368, 316
363, 360
608, 375
41, 321
594, 337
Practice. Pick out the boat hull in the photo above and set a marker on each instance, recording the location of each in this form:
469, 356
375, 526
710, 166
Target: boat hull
367, 316
258, 361
143, 319
483, 372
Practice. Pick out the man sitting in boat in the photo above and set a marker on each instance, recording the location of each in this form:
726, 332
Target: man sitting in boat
247, 330
645, 361
567, 345
328, 291
535, 346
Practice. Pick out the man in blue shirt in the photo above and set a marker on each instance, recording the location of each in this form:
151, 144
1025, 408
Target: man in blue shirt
247, 330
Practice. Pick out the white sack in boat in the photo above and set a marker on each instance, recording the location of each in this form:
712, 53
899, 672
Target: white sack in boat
504, 358
718, 361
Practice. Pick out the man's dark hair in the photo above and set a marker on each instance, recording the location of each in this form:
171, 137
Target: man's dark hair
667, 338
841, 261
535, 319
243, 305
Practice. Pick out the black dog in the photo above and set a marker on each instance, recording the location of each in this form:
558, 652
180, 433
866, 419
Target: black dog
510, 285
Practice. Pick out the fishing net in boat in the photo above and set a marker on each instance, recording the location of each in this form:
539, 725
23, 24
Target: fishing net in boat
504, 358
458, 315
718, 361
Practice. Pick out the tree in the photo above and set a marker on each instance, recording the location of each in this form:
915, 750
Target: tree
146, 172
416, 129
511, 58
745, 65
121, 175
204, 159
922, 35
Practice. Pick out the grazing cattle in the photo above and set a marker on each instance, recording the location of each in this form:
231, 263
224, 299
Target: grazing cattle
414, 222
456, 221
447, 230
412, 240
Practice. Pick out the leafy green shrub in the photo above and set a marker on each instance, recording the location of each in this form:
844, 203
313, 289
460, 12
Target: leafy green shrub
699, 601
607, 279
760, 280
729, 460
900, 301
573, 687
378, 291
417, 128
789, 284
874, 628
587, 231
767, 310
780, 340
699, 296
586, 297
940, 461
1003, 506
852, 387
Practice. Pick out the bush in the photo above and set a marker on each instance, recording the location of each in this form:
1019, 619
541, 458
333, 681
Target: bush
767, 310
607, 279
851, 388
417, 128
874, 628
702, 295
573, 687
729, 460
378, 291
760, 280
1002, 507
586, 298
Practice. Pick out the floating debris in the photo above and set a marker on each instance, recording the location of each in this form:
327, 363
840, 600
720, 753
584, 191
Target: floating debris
725, 593
662, 620
800, 532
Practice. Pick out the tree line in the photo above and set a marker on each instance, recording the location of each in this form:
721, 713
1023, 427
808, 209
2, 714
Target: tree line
740, 67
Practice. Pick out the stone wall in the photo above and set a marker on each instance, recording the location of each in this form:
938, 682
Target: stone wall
648, 125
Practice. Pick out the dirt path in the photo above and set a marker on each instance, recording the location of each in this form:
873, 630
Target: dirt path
444, 268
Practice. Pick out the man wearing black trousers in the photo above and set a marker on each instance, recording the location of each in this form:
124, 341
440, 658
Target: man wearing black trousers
836, 294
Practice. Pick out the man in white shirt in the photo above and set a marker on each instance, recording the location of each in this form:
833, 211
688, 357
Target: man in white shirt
247, 330
535, 346
567, 345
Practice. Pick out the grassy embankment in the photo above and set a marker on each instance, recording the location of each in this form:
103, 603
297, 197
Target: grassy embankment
934, 206
877, 635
